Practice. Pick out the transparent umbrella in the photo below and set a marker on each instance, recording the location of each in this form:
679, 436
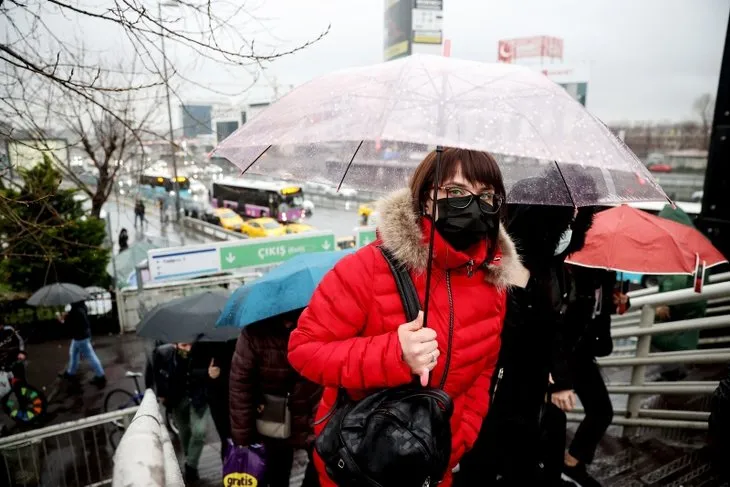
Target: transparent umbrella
373, 124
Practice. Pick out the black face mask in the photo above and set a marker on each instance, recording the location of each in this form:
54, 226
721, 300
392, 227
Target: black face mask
464, 227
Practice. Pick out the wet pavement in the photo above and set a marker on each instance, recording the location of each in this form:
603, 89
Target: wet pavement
649, 458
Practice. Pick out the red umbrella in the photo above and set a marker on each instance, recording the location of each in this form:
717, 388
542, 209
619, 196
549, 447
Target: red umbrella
626, 239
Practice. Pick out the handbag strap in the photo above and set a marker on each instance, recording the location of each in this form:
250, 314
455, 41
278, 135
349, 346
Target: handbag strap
404, 283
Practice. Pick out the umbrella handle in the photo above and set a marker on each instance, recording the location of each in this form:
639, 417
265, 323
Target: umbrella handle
429, 266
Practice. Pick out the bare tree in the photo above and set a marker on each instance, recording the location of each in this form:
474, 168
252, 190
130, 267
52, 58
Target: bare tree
704, 107
50, 80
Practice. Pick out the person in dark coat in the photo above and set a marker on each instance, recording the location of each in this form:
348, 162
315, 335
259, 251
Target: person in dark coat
77, 319
585, 335
180, 373
522, 439
219, 356
259, 369
123, 240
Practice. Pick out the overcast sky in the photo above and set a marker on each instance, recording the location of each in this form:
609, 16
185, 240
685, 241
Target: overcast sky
648, 59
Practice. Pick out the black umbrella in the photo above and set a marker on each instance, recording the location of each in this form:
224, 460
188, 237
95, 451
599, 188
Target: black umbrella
188, 319
58, 294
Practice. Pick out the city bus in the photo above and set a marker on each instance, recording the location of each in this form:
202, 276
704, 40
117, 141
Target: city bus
256, 199
158, 185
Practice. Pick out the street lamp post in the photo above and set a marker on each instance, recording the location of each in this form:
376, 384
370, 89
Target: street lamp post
175, 185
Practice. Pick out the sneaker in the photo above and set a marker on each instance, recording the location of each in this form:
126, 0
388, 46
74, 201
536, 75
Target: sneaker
191, 474
99, 381
579, 476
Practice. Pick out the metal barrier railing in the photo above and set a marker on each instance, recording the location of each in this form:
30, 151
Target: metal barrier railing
205, 229
75, 453
642, 332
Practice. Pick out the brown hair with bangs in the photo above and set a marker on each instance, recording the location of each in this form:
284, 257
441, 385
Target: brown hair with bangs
477, 167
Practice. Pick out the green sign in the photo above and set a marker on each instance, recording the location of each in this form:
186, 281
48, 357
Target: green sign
365, 236
262, 252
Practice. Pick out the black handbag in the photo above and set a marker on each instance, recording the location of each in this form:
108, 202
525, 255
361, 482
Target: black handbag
399, 436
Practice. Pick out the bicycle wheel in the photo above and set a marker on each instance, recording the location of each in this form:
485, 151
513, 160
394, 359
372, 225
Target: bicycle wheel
25, 404
118, 399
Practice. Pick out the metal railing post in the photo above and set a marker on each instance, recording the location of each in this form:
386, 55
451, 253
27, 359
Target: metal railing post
638, 372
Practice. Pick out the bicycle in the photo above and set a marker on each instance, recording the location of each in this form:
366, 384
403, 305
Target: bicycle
118, 399
23, 403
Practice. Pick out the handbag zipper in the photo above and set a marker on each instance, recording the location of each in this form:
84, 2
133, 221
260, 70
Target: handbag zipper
451, 330
500, 374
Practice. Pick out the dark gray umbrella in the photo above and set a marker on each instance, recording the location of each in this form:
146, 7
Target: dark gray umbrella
187, 319
58, 294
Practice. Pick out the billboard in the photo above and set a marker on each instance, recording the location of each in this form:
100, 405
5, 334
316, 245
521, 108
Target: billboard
25, 154
427, 21
508, 50
573, 78
197, 120
224, 129
397, 36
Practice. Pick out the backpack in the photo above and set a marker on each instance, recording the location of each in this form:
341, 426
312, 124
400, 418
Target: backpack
399, 436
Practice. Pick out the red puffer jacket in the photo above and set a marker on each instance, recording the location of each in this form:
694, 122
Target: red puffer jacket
348, 335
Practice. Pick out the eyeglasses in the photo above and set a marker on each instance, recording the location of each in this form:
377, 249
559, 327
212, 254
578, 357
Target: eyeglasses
458, 197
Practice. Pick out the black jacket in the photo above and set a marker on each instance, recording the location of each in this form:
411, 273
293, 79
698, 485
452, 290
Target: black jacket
176, 377
586, 330
77, 320
508, 449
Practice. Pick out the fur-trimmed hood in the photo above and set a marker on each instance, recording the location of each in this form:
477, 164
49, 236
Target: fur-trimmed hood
400, 231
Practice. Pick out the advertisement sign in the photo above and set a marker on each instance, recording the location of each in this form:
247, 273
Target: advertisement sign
182, 263
25, 154
574, 79
508, 50
397, 36
427, 22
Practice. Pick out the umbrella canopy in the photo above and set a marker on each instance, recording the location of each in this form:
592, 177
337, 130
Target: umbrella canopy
286, 288
626, 239
58, 294
187, 319
357, 118
126, 261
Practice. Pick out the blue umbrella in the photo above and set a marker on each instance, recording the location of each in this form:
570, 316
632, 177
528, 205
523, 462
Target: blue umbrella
286, 288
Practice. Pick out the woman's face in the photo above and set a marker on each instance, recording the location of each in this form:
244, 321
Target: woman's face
457, 186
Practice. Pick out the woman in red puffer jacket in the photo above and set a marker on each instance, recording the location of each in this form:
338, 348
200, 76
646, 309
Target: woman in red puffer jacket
354, 335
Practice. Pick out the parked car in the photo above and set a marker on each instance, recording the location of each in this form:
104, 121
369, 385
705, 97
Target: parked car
263, 227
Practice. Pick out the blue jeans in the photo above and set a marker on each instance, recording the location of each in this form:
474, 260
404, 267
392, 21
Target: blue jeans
79, 348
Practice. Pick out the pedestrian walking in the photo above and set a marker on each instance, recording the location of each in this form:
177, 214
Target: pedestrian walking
77, 319
123, 240
585, 335
270, 403
354, 334
681, 340
219, 356
179, 372
519, 434
139, 213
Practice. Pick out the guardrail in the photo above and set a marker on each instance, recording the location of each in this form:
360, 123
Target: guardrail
642, 331
75, 453
209, 230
